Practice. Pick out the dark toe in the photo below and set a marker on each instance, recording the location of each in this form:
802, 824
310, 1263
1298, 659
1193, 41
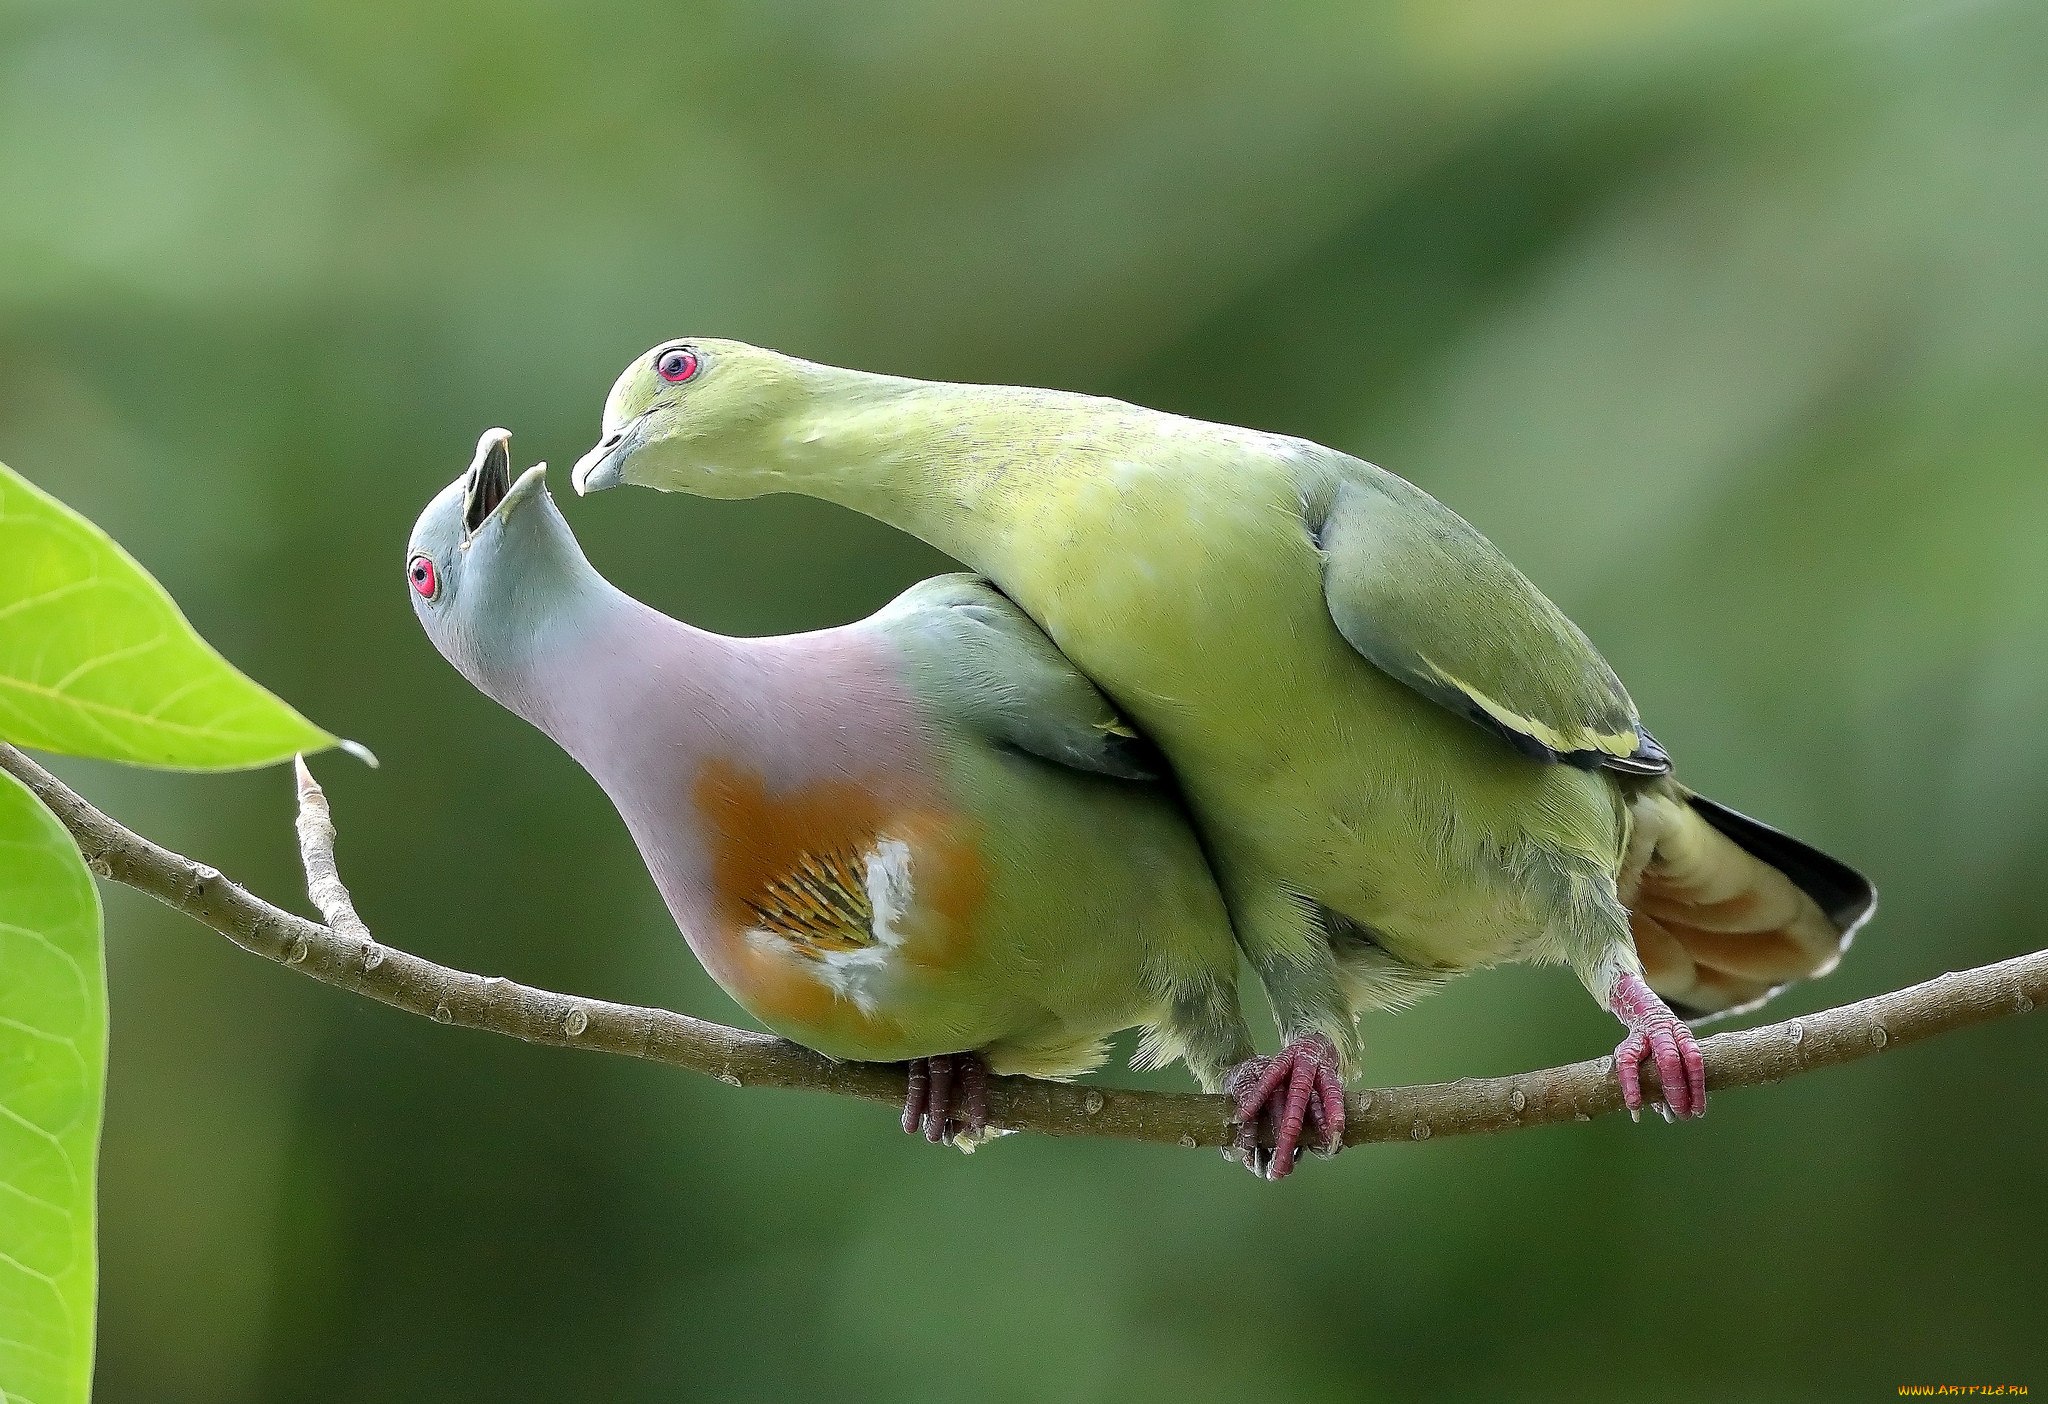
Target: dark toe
938, 1122
918, 1095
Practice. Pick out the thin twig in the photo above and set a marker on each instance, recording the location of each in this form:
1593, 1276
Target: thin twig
343, 953
316, 854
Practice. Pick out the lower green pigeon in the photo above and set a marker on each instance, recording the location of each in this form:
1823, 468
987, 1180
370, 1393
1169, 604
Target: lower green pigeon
1404, 760
921, 838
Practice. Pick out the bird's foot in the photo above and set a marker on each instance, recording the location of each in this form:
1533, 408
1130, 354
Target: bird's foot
1299, 1088
1658, 1039
947, 1099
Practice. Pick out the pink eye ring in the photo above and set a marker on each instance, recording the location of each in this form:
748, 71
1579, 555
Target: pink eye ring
425, 582
676, 365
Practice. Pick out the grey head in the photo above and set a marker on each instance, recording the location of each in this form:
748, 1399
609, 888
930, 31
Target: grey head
497, 578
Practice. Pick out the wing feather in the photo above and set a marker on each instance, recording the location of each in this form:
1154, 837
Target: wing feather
1430, 602
986, 665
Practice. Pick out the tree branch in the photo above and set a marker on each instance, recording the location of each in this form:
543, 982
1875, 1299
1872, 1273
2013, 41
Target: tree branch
345, 954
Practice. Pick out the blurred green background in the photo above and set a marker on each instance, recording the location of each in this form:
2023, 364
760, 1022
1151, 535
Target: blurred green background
1728, 321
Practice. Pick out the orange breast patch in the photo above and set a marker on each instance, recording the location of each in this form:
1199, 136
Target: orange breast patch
796, 864
821, 905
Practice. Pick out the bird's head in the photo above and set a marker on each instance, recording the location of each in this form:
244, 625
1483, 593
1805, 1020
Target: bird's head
696, 415
492, 566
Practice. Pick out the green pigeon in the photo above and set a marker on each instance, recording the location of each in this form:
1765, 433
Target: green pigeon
1404, 760
923, 838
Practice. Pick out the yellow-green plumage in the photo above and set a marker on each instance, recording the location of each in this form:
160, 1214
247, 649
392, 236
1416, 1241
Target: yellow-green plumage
1406, 761
885, 840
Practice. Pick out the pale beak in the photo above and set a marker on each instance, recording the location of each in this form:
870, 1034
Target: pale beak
488, 491
533, 483
488, 480
601, 467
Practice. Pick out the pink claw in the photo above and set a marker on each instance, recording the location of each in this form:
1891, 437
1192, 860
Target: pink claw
1659, 1038
1309, 1071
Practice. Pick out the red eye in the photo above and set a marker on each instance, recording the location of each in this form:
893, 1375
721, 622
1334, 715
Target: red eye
677, 365
425, 583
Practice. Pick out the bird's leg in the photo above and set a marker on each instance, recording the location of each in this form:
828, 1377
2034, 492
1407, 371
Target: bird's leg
947, 1098
1300, 1088
1601, 949
1659, 1038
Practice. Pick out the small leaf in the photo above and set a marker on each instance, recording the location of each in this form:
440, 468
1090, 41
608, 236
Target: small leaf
96, 660
53, 1067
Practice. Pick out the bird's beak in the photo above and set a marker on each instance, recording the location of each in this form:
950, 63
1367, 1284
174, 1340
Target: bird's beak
532, 483
489, 491
598, 469
489, 479
605, 466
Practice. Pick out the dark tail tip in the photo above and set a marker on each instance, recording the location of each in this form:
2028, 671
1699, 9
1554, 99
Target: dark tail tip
1845, 895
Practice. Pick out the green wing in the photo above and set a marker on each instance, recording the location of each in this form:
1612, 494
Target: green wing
1431, 602
984, 664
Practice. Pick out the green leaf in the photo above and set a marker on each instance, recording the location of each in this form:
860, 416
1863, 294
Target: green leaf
96, 660
53, 1068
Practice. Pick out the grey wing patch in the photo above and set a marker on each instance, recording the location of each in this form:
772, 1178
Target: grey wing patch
1430, 602
985, 664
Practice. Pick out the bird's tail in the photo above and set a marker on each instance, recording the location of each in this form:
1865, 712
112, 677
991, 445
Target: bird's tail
1726, 911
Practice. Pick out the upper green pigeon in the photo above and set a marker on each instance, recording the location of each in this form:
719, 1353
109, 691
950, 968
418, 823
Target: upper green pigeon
1405, 761
918, 836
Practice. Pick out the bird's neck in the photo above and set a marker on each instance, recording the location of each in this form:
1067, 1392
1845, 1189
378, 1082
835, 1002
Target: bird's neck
930, 458
635, 697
